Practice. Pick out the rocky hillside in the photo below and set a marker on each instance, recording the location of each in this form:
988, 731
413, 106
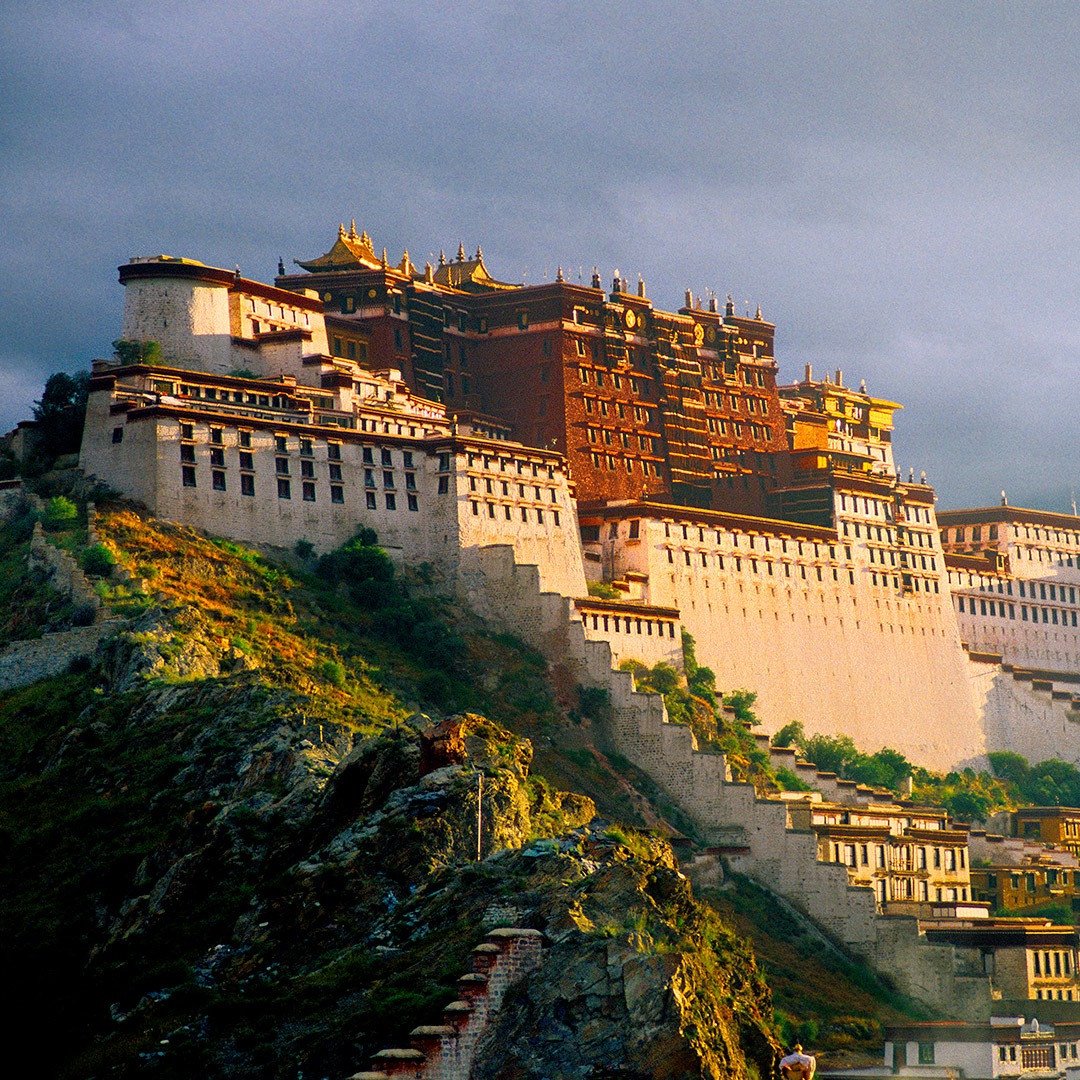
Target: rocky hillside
240, 836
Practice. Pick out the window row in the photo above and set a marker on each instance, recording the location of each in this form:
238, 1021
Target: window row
1000, 609
627, 625
527, 513
648, 468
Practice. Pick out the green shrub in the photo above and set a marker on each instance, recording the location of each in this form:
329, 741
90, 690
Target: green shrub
333, 672
602, 591
98, 560
59, 511
304, 549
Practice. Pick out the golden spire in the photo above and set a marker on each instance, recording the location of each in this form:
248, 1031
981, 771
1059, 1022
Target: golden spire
479, 254
352, 229
385, 264
558, 274
460, 252
341, 231
442, 257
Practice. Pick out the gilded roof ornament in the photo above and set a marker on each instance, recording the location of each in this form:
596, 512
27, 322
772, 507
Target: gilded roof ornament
558, 274
341, 231
442, 257
479, 254
460, 252
758, 315
352, 229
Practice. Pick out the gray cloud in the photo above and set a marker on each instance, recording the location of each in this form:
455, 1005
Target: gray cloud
896, 185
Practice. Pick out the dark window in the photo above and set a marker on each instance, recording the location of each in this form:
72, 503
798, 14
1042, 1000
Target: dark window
246, 460
245, 438
370, 500
387, 478
284, 491
391, 501
188, 475
216, 436
281, 444
444, 485
335, 471
281, 466
387, 457
309, 491
187, 431
306, 448
247, 484
117, 434
217, 456
187, 453
307, 468
217, 480
367, 456
412, 501
333, 451
407, 458
337, 493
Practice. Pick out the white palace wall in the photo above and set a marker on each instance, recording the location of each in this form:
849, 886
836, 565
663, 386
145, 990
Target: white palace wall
800, 622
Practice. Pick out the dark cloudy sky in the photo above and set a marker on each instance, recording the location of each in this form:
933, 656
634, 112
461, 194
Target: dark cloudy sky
897, 184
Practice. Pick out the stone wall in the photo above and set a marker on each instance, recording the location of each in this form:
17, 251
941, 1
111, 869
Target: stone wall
445, 1051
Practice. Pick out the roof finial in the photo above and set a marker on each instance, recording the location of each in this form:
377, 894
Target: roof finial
385, 264
341, 230
595, 278
460, 252
689, 298
406, 263
429, 273
1004, 501
758, 315
365, 239
442, 257
729, 307
641, 286
479, 254
558, 274
280, 266
352, 230
713, 303
862, 386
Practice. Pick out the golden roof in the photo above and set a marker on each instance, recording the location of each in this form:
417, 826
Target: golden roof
350, 252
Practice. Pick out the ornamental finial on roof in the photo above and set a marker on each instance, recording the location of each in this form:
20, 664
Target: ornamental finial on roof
429, 273
689, 299
479, 254
384, 262
442, 257
595, 278
729, 307
352, 229
641, 286
758, 315
365, 239
460, 252
558, 274
341, 231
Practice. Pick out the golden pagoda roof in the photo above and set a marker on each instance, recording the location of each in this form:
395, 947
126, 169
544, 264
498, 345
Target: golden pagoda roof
350, 252
470, 275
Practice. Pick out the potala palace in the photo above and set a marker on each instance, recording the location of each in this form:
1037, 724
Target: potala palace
526, 442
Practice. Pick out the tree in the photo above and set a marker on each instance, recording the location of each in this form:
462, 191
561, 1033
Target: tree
137, 352
61, 411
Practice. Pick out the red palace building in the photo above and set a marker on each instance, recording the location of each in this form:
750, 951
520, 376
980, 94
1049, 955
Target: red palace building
679, 407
